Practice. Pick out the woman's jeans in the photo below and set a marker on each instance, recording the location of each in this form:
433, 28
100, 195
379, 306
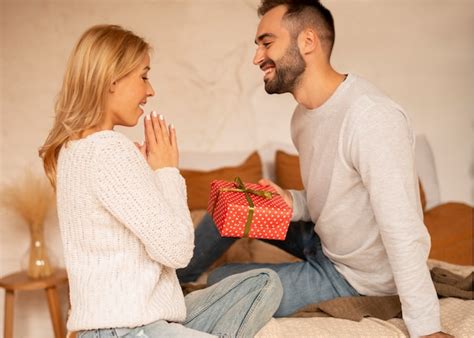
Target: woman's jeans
237, 306
313, 280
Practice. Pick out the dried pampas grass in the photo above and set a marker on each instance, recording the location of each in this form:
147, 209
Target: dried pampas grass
30, 197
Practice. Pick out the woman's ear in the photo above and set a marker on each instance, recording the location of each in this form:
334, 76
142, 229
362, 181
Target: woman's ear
112, 87
308, 41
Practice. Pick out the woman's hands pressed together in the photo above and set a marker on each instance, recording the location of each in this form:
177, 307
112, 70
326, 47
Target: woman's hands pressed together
160, 148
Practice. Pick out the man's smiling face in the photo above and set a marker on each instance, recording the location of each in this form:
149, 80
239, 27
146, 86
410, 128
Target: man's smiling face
277, 53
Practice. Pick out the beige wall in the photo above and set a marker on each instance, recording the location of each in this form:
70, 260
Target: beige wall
419, 51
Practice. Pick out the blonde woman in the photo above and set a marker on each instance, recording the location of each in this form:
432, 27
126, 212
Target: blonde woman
122, 208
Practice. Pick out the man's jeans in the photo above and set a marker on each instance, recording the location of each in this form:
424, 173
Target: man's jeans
313, 280
238, 306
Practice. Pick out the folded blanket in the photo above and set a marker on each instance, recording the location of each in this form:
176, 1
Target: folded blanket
355, 308
447, 284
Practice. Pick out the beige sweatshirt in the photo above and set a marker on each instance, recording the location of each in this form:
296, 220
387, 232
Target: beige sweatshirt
361, 191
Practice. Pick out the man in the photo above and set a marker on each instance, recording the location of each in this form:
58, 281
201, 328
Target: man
358, 224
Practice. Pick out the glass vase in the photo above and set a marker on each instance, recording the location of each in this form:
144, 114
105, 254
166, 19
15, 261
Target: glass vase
37, 260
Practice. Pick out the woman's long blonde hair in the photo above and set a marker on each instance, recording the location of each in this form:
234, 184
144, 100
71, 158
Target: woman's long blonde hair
103, 54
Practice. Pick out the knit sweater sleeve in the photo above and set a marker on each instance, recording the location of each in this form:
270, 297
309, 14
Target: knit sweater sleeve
152, 205
382, 151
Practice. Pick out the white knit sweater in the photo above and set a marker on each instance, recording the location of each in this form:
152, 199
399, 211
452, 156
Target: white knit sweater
125, 230
357, 165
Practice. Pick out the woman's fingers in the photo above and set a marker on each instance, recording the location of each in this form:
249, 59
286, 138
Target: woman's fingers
161, 142
156, 126
150, 138
142, 149
172, 136
160, 128
164, 128
174, 144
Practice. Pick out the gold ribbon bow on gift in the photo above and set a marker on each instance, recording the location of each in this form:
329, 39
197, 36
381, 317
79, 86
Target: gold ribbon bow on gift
240, 187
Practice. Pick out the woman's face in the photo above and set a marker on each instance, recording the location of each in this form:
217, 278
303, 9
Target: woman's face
127, 96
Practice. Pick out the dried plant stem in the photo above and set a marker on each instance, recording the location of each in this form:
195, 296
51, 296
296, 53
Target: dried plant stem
31, 197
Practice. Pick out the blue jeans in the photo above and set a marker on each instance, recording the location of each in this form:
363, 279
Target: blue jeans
237, 306
313, 280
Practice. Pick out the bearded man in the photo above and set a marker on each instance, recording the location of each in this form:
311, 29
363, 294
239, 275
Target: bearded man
358, 225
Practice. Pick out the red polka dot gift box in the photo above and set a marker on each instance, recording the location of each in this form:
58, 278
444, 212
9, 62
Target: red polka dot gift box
248, 210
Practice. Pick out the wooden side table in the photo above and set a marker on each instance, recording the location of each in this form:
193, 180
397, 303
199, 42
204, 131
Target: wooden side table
19, 281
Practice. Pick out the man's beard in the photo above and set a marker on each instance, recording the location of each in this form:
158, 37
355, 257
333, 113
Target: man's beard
288, 70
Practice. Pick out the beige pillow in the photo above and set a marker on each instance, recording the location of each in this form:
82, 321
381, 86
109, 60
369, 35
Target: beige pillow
198, 183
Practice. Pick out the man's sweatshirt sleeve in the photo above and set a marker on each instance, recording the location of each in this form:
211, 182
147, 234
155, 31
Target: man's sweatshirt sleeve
382, 151
300, 206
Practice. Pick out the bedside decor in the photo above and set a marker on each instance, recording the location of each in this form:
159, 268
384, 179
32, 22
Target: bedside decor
30, 197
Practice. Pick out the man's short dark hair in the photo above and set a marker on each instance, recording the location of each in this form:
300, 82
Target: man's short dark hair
301, 14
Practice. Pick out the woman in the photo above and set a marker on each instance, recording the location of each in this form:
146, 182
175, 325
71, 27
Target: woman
122, 208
